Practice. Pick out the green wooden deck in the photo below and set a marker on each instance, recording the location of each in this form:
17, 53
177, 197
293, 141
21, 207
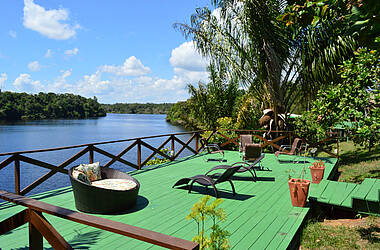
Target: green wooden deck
259, 216
363, 198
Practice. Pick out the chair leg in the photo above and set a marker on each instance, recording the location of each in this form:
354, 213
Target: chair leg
233, 188
254, 176
191, 186
215, 190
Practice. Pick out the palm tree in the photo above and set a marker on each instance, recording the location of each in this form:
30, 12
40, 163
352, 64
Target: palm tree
249, 39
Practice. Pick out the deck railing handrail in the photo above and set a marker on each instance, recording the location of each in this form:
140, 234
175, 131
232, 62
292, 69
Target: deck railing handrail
40, 227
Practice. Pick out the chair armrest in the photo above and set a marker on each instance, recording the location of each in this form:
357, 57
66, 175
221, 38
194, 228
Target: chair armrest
282, 147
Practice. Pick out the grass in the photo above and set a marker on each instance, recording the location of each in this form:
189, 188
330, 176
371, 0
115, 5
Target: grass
356, 163
316, 235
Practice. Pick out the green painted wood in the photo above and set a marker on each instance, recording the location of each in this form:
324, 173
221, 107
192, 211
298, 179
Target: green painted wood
364, 189
373, 194
350, 189
262, 216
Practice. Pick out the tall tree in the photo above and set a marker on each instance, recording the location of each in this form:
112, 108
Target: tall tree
274, 61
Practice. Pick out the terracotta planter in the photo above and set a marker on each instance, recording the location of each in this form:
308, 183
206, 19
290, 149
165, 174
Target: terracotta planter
299, 189
317, 174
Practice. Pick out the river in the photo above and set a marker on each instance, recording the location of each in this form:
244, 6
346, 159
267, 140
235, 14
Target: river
30, 135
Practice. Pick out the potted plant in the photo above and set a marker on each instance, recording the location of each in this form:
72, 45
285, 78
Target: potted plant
317, 170
299, 190
299, 187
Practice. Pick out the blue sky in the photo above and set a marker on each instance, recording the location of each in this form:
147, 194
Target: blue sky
116, 50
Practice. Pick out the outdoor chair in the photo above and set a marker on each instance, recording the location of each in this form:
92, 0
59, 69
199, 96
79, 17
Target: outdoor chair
243, 167
208, 180
295, 149
251, 151
91, 199
214, 153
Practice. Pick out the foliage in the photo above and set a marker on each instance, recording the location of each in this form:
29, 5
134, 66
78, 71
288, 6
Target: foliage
138, 108
200, 212
180, 114
159, 159
248, 112
308, 127
319, 32
213, 100
318, 164
223, 124
356, 98
23, 106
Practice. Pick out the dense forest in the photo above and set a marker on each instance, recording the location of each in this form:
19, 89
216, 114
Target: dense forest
23, 106
138, 108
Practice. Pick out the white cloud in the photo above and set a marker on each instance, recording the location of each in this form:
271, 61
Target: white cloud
12, 33
130, 81
188, 64
71, 52
34, 66
24, 83
186, 57
50, 23
131, 67
49, 53
3, 78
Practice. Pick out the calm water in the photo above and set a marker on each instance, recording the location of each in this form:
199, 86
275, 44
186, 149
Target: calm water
29, 135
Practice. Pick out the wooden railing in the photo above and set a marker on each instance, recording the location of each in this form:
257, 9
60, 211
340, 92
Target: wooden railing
23, 156
40, 227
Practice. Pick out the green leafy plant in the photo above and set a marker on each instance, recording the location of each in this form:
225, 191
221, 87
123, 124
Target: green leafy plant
200, 212
318, 164
159, 159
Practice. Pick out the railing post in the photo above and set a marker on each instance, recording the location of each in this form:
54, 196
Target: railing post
337, 144
91, 153
172, 153
35, 237
139, 153
17, 175
197, 142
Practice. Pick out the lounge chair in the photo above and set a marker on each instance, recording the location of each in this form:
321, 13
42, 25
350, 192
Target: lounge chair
295, 149
243, 167
207, 180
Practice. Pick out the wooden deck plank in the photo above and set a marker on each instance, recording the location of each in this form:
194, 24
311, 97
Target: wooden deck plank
364, 189
339, 194
347, 201
373, 194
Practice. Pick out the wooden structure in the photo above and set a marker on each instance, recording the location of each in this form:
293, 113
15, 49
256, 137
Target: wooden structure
156, 192
362, 198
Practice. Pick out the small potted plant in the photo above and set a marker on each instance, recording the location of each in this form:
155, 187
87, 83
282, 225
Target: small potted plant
299, 190
317, 170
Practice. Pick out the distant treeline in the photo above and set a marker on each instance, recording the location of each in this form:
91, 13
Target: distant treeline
138, 108
23, 106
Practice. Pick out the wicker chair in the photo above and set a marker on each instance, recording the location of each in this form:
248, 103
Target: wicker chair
91, 199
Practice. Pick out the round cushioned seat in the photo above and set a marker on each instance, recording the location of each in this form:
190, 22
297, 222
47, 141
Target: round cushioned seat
92, 199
